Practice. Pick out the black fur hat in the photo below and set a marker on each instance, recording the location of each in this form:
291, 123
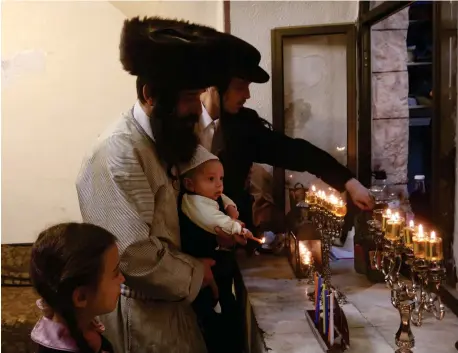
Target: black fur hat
173, 54
244, 60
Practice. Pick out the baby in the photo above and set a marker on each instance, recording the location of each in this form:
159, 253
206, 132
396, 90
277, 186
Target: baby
202, 208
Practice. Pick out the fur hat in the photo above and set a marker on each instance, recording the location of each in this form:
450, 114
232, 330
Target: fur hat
201, 156
172, 53
244, 60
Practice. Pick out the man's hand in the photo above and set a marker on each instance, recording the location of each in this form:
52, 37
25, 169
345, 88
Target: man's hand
359, 194
232, 212
226, 240
208, 274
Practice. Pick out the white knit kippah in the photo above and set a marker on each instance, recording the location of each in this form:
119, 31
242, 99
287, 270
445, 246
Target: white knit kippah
201, 156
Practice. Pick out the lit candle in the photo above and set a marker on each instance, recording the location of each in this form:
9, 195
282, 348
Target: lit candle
304, 254
341, 209
419, 243
393, 228
386, 216
333, 204
434, 248
408, 233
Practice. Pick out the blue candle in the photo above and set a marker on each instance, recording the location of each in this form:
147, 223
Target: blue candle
317, 302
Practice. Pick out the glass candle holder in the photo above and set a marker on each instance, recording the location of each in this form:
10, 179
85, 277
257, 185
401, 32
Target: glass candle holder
434, 251
385, 217
341, 209
393, 229
311, 198
408, 234
419, 243
377, 215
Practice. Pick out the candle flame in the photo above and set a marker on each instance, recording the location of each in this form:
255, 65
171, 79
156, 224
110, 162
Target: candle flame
388, 213
433, 235
411, 224
313, 188
263, 240
420, 231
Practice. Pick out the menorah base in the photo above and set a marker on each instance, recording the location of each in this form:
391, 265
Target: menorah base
340, 345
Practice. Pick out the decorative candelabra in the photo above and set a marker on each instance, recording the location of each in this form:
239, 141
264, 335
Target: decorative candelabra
327, 213
423, 254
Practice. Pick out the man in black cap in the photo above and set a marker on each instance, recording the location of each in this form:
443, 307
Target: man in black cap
124, 184
240, 137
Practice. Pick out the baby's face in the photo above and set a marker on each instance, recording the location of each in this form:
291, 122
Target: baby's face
208, 180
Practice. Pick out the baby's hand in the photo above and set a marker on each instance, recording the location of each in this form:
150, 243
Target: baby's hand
240, 222
232, 212
248, 235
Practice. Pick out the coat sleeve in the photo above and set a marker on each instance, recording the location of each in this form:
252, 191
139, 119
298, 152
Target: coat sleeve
277, 149
206, 214
114, 193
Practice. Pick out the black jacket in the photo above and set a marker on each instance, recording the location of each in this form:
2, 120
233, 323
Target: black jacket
248, 139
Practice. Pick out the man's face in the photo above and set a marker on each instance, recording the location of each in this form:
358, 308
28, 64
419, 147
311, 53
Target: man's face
237, 93
175, 136
189, 103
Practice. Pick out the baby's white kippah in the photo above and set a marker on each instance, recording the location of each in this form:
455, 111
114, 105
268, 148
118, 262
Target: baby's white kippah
201, 156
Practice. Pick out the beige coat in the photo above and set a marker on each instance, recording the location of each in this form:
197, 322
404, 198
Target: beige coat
123, 188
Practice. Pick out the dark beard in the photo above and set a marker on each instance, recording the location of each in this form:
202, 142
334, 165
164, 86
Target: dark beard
176, 140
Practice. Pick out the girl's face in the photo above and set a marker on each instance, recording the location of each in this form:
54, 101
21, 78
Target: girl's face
104, 298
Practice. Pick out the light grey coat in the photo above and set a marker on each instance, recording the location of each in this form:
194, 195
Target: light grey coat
123, 187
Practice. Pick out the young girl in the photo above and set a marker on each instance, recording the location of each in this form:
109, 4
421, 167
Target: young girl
75, 269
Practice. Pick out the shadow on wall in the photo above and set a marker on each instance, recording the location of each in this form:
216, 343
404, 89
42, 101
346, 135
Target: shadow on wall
297, 114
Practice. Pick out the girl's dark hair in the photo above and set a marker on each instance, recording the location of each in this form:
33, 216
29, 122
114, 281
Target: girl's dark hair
65, 257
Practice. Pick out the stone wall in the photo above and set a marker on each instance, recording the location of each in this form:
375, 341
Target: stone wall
390, 88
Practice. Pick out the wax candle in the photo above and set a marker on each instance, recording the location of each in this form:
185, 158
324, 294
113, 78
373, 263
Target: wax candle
318, 301
393, 228
333, 204
434, 250
341, 209
419, 243
408, 233
385, 217
331, 318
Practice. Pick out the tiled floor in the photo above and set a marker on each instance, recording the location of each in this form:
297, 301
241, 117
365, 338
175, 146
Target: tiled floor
279, 300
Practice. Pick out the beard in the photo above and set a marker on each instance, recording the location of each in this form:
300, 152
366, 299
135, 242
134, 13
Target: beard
176, 140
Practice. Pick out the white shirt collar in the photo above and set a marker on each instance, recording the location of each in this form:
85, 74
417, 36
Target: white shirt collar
205, 119
143, 119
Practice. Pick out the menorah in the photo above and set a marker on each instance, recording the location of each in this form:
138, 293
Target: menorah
422, 253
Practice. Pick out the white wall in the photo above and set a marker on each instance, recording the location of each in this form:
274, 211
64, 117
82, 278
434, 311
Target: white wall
62, 84
206, 12
253, 21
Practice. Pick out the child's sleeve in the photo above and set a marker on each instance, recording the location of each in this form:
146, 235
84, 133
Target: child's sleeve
205, 213
227, 202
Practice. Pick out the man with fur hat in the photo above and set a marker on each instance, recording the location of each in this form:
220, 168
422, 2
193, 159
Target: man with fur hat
124, 184
256, 140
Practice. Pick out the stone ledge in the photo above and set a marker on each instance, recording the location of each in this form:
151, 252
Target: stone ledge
277, 300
